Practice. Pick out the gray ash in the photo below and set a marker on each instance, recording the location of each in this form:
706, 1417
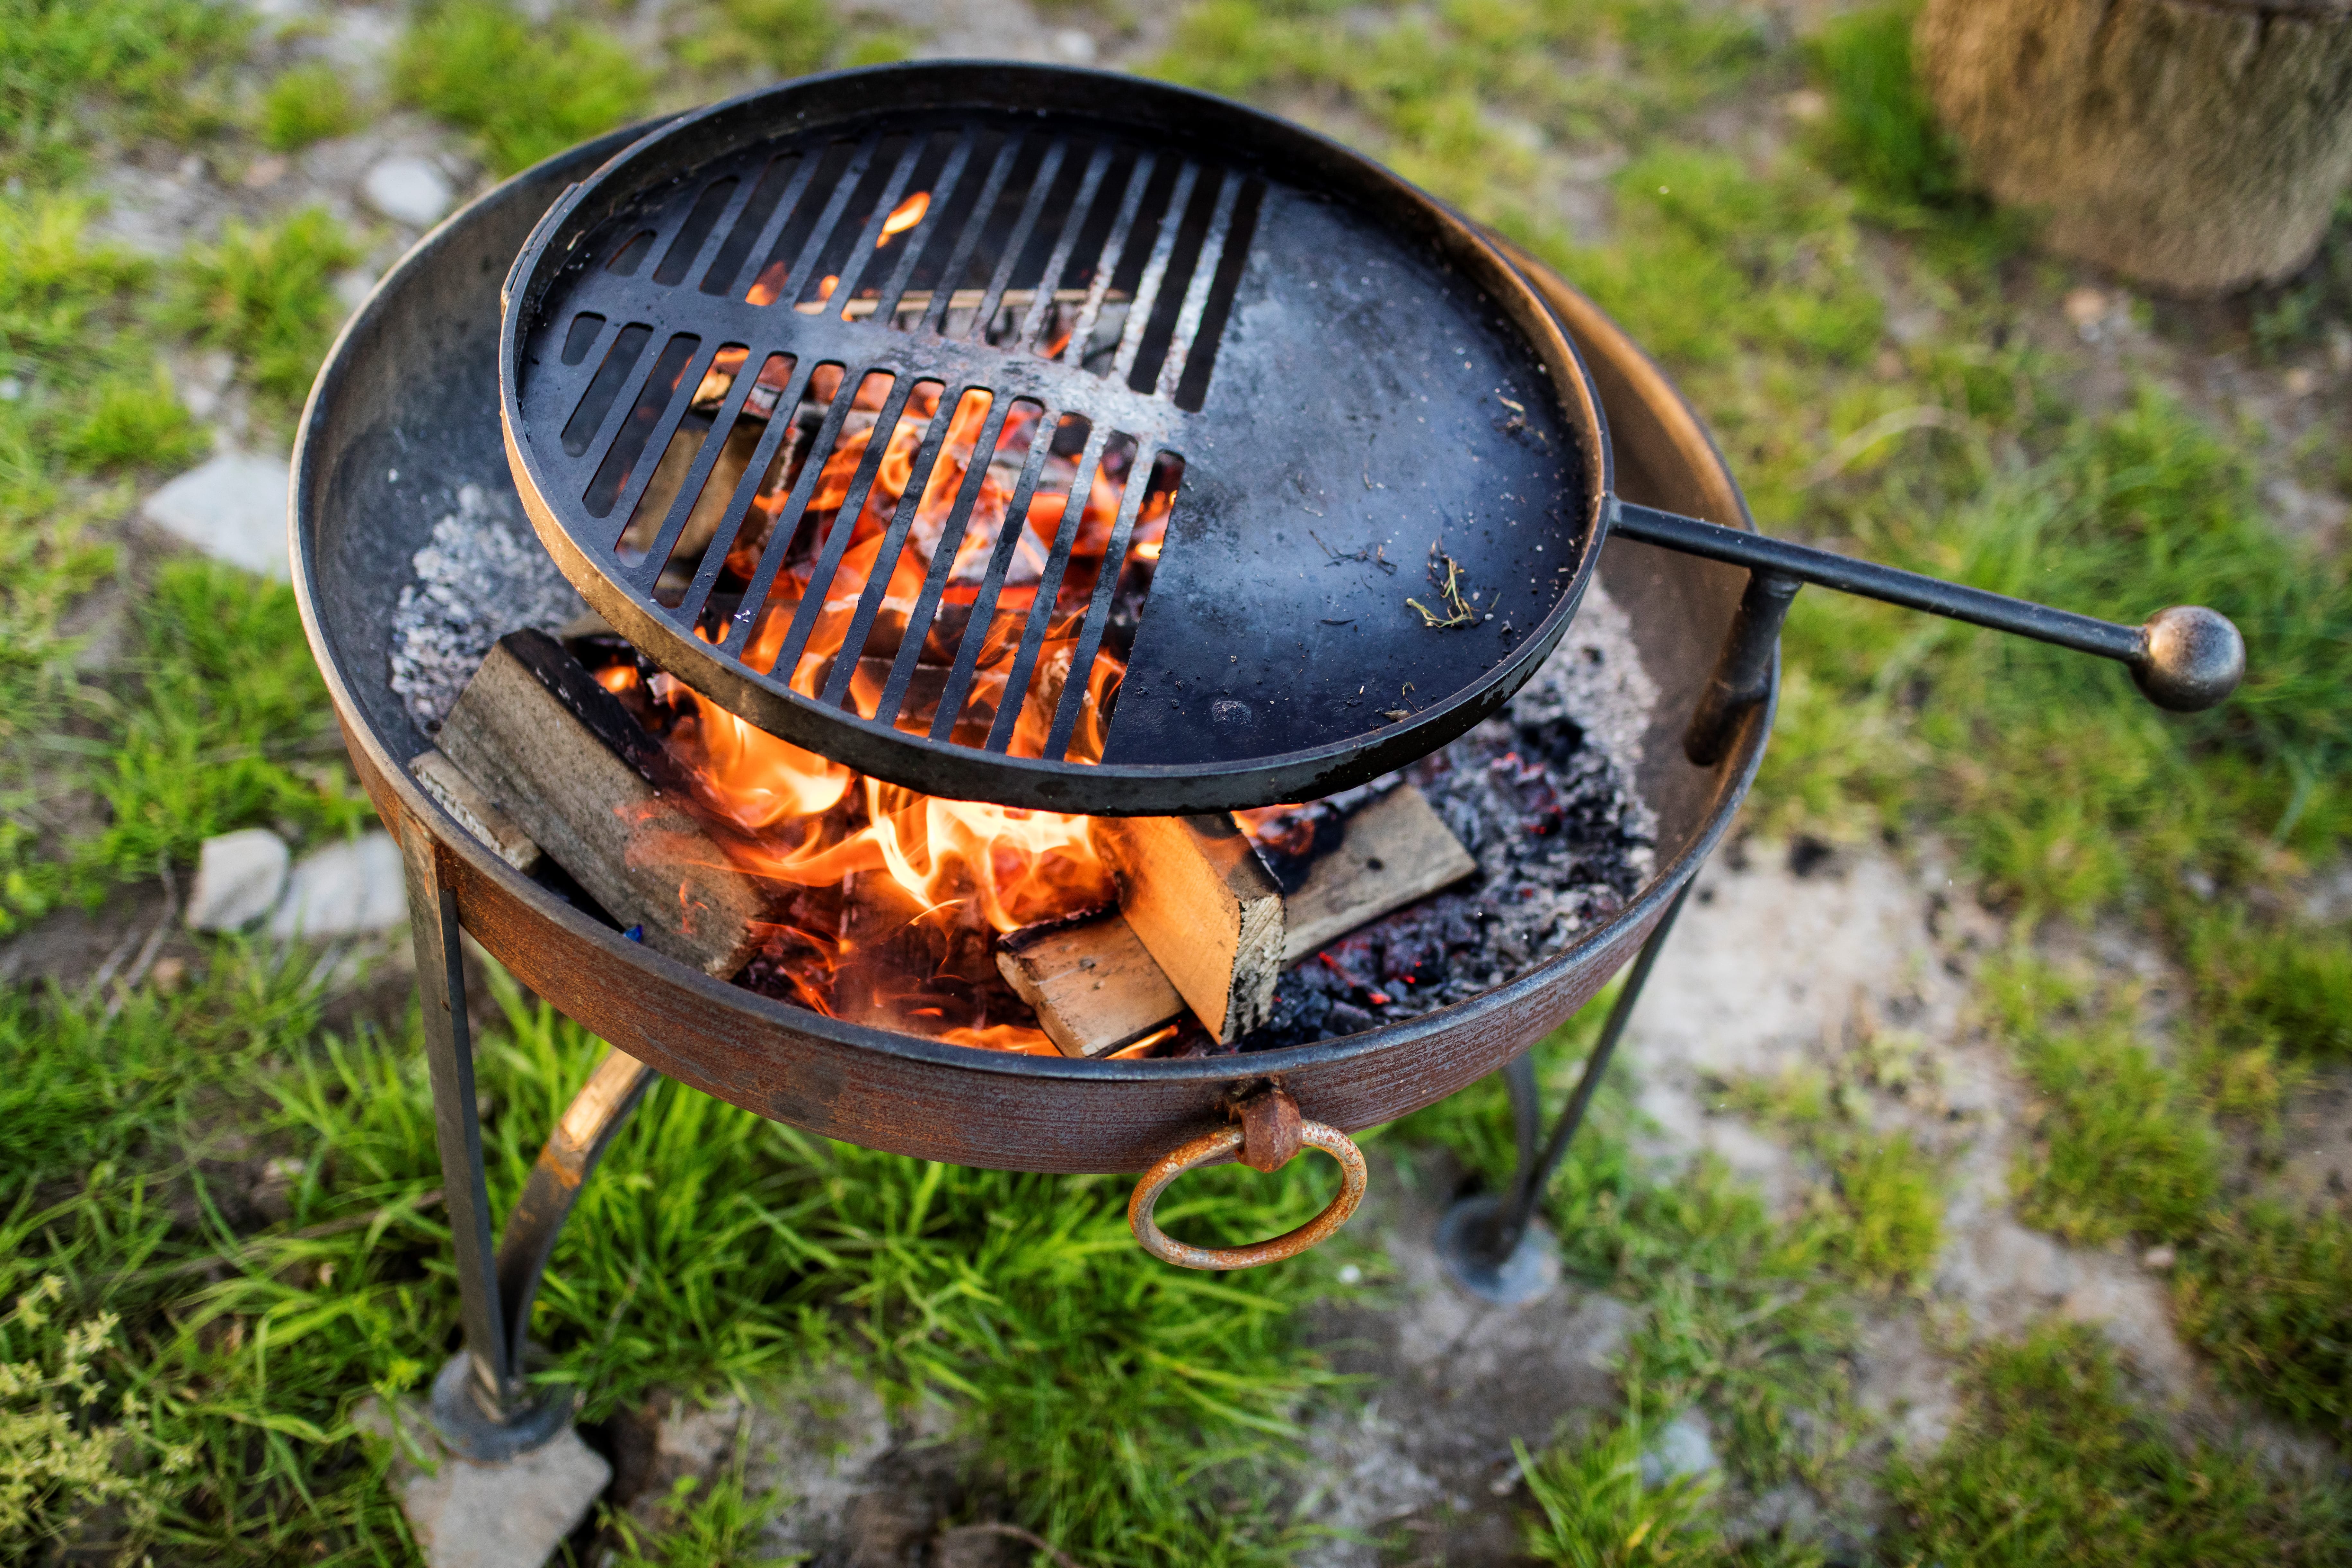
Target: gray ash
1544, 797
484, 575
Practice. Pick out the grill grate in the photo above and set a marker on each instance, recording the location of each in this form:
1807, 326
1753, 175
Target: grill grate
1019, 320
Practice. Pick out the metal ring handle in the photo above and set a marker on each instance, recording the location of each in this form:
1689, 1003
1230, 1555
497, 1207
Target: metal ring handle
1215, 1149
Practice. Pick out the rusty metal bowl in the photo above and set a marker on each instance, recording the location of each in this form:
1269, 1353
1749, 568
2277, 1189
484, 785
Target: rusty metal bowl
411, 389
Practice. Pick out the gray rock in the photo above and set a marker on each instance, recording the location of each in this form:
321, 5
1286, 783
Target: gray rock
509, 1515
1682, 1448
343, 889
232, 508
408, 190
351, 287
238, 879
818, 1441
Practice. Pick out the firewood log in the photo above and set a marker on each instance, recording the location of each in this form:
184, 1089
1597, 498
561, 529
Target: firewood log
1092, 984
1098, 984
462, 798
557, 753
1206, 909
1396, 850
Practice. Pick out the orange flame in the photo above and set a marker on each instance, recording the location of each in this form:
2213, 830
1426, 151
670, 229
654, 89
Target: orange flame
904, 217
887, 901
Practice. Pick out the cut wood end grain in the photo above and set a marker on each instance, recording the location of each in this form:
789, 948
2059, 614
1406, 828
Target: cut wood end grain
1093, 985
1205, 907
462, 798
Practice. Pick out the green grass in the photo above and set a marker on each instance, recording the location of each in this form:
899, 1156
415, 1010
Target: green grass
2124, 1145
2267, 1293
71, 332
1880, 134
790, 38
133, 421
1431, 84
306, 103
524, 89
228, 728
2053, 1464
267, 295
1596, 1512
2286, 985
1747, 1317
1743, 1318
703, 1527
1883, 1215
1132, 1413
137, 67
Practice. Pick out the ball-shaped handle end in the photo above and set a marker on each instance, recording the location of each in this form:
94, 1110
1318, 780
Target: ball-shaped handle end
2190, 659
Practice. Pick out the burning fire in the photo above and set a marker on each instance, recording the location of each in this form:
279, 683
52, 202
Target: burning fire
888, 901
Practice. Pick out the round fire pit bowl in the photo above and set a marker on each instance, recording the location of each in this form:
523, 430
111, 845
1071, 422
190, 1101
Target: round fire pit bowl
406, 412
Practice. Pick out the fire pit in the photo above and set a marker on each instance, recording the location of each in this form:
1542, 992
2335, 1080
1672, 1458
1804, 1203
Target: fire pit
860, 480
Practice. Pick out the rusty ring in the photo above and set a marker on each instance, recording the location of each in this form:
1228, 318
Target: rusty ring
1215, 1149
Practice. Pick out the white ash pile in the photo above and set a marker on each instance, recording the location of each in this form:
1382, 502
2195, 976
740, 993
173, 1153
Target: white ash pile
484, 575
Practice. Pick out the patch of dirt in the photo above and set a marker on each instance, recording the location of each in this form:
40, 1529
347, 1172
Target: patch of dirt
1423, 1455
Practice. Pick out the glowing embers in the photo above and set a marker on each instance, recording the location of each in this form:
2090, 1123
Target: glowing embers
913, 560
888, 903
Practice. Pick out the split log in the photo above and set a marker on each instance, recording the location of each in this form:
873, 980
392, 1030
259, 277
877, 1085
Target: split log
1092, 984
1205, 907
558, 754
1395, 851
462, 798
2198, 145
1096, 986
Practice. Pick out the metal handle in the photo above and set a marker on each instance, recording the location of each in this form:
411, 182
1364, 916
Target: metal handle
1270, 1133
2185, 658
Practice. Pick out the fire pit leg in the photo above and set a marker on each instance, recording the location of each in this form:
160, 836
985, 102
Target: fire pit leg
1492, 1243
1743, 670
482, 1406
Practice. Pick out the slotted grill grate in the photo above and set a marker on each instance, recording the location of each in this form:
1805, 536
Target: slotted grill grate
965, 444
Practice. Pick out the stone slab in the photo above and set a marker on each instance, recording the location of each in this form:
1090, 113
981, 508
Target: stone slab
233, 507
238, 879
343, 889
465, 1515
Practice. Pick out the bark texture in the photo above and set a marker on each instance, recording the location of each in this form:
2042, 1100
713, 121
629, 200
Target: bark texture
2198, 145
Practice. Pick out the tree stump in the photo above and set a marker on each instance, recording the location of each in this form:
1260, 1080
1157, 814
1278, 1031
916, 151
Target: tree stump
2196, 145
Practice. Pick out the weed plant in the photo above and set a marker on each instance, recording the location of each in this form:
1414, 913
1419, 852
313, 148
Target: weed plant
137, 68
267, 295
2053, 1463
2267, 1293
525, 89
306, 103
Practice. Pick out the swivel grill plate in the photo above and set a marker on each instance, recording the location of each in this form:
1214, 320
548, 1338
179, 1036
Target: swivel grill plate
1049, 438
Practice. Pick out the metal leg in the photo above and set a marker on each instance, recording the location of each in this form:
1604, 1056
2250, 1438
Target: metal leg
482, 1406
1492, 1243
1743, 669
